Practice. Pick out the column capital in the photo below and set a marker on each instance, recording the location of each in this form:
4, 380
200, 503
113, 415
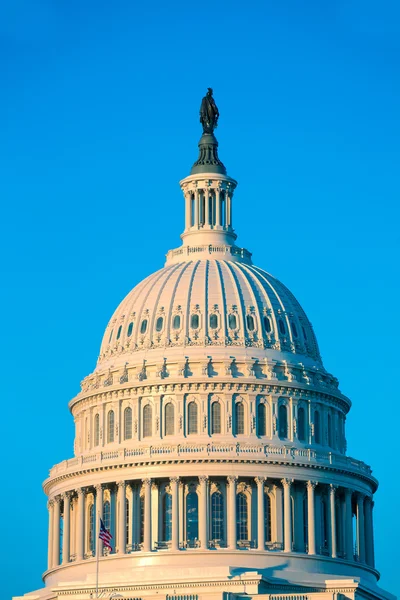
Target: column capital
260, 480
67, 496
332, 489
80, 491
286, 482
147, 481
360, 497
121, 484
348, 492
99, 488
312, 484
174, 479
50, 503
232, 479
203, 478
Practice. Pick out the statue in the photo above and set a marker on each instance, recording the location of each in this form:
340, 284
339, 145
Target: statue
209, 112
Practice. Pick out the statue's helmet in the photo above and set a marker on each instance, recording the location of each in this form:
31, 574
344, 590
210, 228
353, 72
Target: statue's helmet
210, 90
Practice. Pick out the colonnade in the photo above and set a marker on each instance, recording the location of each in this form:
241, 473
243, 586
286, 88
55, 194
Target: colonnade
208, 207
277, 515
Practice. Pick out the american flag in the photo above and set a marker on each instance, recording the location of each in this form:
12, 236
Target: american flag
105, 535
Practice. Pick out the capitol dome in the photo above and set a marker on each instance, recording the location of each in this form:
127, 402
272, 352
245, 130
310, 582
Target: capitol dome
209, 439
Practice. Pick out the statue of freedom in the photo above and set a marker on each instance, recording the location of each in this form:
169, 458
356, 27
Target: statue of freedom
209, 112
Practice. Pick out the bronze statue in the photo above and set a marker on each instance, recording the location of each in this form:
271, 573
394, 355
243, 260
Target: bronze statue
209, 112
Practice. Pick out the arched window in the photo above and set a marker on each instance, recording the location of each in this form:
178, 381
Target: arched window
107, 515
213, 321
110, 426
294, 329
317, 427
192, 417
119, 332
194, 321
267, 518
176, 323
330, 436
110, 338
159, 323
239, 418
169, 419
167, 518
215, 417
250, 322
192, 516
217, 516
301, 424
282, 327
242, 528
130, 329
232, 322
128, 423
261, 419
147, 421
92, 534
97, 429
267, 324
143, 326
283, 422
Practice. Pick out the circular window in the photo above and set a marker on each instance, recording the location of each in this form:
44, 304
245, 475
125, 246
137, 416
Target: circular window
194, 321
250, 322
119, 332
130, 328
232, 322
159, 324
143, 326
176, 323
213, 321
267, 324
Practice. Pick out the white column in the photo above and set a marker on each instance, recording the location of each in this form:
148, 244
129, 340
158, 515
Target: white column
147, 515
203, 479
348, 533
121, 517
332, 521
174, 483
56, 532
188, 209
196, 209
369, 532
311, 516
66, 528
287, 514
227, 210
99, 515
232, 481
260, 481
80, 525
218, 207
50, 506
206, 207
360, 527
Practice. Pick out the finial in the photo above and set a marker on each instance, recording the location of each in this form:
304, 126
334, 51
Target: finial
209, 112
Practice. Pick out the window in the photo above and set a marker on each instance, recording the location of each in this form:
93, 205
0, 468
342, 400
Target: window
194, 321
213, 321
159, 324
107, 515
242, 531
119, 332
261, 419
192, 417
143, 326
267, 324
110, 426
250, 322
267, 518
169, 419
239, 418
92, 534
304, 333
128, 423
215, 417
217, 516
192, 516
282, 327
232, 322
283, 422
167, 518
330, 440
294, 329
97, 430
176, 323
130, 329
110, 338
147, 421
301, 424
317, 427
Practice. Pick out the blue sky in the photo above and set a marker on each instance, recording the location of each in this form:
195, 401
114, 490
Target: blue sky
99, 121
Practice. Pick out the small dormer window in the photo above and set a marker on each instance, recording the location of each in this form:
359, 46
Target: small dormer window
250, 322
143, 326
119, 332
130, 329
267, 324
213, 321
232, 322
194, 321
159, 324
282, 327
294, 329
176, 323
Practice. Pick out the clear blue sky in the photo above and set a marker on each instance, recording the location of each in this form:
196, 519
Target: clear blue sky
99, 121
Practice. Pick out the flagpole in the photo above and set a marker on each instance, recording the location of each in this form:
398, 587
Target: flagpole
97, 555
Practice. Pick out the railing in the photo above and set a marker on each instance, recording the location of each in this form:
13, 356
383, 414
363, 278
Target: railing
265, 452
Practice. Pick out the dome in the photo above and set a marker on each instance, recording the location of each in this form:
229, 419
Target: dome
214, 303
